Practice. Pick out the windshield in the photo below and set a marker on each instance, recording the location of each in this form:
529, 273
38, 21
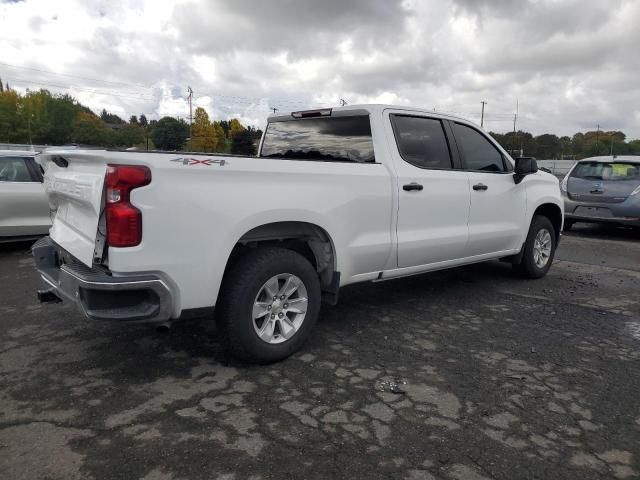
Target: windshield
344, 139
607, 171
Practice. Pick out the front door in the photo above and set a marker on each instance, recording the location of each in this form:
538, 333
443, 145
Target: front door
498, 205
433, 192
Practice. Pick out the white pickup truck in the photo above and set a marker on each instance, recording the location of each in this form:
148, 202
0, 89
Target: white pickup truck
334, 197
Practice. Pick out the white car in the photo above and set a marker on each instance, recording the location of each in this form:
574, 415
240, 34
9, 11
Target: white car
334, 197
24, 208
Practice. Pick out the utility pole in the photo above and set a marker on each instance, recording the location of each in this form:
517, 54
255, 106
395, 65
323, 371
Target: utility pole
515, 134
611, 137
343, 102
482, 113
190, 97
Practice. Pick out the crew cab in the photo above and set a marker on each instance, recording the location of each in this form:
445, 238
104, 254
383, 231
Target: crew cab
334, 197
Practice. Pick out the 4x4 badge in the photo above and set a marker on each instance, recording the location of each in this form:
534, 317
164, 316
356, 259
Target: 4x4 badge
196, 161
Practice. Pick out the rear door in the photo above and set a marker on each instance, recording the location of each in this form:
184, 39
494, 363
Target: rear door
433, 191
24, 209
498, 205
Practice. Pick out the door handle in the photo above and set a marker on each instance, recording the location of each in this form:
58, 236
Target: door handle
412, 186
480, 187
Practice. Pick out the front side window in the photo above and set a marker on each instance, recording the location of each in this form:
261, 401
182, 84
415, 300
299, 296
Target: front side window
478, 152
421, 141
14, 169
338, 139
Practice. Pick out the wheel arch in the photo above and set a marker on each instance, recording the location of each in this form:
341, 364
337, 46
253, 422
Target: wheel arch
554, 213
308, 239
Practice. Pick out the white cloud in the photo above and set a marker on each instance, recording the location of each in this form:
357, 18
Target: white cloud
571, 64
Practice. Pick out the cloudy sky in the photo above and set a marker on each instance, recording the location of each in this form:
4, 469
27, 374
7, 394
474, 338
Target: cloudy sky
570, 64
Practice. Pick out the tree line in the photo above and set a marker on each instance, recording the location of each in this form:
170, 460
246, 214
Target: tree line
40, 117
581, 145
43, 118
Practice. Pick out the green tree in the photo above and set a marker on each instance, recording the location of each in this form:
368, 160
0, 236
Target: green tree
133, 119
224, 124
91, 130
143, 120
242, 143
111, 118
11, 128
170, 134
203, 134
548, 146
634, 147
221, 141
61, 112
129, 135
235, 127
565, 147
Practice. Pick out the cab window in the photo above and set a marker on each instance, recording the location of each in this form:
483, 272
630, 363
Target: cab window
421, 141
477, 151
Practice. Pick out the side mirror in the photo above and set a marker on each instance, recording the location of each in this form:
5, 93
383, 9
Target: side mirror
524, 166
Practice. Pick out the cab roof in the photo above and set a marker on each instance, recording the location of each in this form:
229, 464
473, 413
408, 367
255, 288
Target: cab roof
372, 108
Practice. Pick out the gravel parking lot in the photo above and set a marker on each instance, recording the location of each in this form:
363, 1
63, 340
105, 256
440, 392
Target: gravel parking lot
465, 374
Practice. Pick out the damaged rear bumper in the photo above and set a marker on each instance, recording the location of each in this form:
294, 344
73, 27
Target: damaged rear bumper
139, 298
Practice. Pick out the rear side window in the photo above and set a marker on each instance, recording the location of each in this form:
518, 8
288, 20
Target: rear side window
14, 169
478, 152
422, 141
337, 139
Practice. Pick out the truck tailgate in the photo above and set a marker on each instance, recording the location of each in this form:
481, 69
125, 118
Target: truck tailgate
74, 182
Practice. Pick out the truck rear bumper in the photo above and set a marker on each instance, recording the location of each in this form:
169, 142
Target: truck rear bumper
143, 298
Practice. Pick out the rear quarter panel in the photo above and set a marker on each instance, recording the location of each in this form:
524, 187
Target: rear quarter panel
193, 215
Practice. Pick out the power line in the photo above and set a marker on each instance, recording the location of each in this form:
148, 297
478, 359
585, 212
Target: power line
139, 85
74, 76
73, 87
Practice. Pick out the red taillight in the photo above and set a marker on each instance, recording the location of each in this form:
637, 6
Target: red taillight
124, 221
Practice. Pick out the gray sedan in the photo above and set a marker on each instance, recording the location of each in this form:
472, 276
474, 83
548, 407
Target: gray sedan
24, 208
603, 190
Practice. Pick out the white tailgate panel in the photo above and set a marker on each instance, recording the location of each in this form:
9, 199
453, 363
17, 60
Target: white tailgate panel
76, 193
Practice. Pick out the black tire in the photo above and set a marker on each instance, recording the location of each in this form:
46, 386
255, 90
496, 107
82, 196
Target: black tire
240, 287
527, 266
568, 224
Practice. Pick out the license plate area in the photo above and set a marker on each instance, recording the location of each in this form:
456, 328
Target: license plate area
596, 212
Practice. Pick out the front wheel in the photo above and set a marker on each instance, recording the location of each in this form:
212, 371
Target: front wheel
539, 249
268, 305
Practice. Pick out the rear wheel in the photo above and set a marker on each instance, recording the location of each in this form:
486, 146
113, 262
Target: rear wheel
268, 305
539, 249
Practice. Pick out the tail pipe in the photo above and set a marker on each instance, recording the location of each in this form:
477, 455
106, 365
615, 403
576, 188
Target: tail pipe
48, 296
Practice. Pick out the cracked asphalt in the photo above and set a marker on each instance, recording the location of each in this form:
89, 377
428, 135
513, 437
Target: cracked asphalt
471, 374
